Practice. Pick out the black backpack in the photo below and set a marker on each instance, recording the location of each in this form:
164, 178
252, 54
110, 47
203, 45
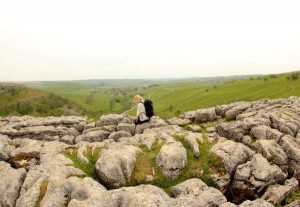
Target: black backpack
149, 108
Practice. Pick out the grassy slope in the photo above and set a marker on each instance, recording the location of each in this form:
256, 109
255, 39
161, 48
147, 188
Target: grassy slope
37, 103
185, 97
172, 99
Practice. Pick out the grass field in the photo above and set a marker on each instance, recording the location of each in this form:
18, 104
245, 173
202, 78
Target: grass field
173, 99
170, 98
26, 101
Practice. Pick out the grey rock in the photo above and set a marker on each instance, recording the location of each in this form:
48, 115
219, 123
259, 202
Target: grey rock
221, 110
119, 134
293, 204
26, 153
291, 147
194, 128
88, 193
93, 136
10, 184
171, 159
193, 140
255, 175
5, 147
256, 203
284, 125
190, 115
141, 196
178, 121
113, 119
205, 115
210, 129
233, 112
298, 135
228, 204
275, 194
265, 132
155, 122
116, 164
90, 126
30, 198
194, 192
271, 151
233, 131
83, 147
251, 122
68, 139
231, 153
126, 127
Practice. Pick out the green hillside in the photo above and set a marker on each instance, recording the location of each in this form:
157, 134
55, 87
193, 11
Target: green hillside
170, 98
20, 100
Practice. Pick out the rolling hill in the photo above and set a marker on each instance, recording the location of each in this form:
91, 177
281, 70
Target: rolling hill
19, 100
170, 97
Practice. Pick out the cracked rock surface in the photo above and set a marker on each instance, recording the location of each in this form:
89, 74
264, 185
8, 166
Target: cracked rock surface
65, 161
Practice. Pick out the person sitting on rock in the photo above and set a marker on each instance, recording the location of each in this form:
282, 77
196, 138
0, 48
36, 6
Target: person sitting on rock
141, 116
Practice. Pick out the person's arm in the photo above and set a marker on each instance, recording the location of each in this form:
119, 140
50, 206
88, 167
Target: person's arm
139, 109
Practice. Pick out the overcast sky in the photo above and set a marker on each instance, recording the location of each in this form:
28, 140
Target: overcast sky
85, 39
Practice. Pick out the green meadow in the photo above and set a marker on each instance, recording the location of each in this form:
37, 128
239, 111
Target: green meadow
170, 98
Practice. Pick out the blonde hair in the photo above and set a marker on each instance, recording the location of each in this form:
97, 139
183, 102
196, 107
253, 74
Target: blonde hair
138, 98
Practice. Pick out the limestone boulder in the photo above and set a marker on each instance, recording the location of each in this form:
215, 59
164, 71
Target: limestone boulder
221, 109
231, 153
233, 131
265, 132
68, 139
293, 204
119, 134
171, 159
255, 121
142, 196
178, 121
194, 192
291, 147
193, 140
114, 119
126, 127
254, 176
10, 184
228, 204
88, 193
194, 128
155, 122
272, 151
93, 136
275, 194
233, 112
205, 115
256, 203
6, 147
116, 164
190, 115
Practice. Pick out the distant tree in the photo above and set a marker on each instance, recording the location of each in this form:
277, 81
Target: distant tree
215, 86
265, 79
273, 76
251, 78
207, 90
295, 76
